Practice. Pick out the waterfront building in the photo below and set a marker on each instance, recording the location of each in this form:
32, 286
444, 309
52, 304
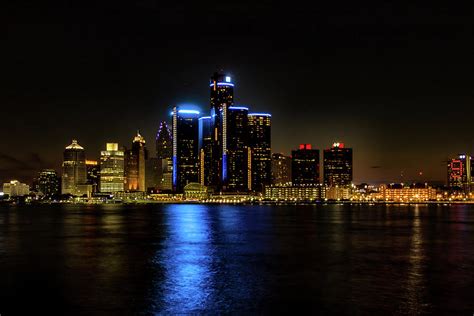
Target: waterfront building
205, 150
400, 192
338, 193
16, 188
48, 183
460, 173
260, 162
185, 148
295, 193
281, 169
164, 154
130, 195
195, 191
135, 165
337, 165
221, 98
93, 170
235, 177
112, 169
305, 165
74, 175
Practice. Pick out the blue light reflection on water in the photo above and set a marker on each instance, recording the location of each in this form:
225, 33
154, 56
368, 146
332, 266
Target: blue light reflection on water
187, 260
208, 262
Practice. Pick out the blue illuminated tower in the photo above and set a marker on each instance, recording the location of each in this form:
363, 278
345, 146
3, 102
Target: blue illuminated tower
205, 150
185, 148
221, 98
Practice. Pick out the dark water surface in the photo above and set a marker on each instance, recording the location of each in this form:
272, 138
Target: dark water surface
201, 259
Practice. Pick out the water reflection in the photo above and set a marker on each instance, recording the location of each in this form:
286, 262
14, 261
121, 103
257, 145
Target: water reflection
415, 283
186, 259
203, 259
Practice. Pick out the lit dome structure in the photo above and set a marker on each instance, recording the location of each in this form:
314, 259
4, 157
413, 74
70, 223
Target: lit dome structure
75, 145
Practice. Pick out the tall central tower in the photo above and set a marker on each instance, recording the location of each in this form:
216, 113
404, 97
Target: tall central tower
221, 97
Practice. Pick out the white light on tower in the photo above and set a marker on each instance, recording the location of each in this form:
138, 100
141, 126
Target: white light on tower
227, 79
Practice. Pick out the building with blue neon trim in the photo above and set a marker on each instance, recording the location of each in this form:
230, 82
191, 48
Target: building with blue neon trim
185, 129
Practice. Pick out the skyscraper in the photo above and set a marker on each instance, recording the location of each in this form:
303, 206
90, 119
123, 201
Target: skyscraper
221, 97
92, 170
305, 166
236, 154
135, 165
260, 167
74, 169
460, 172
337, 165
281, 169
185, 148
164, 154
48, 183
205, 150
111, 169
153, 174
164, 142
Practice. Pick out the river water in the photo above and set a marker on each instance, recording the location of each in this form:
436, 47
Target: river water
208, 259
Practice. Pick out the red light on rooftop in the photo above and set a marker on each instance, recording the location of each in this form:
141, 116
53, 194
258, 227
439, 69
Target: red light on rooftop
305, 146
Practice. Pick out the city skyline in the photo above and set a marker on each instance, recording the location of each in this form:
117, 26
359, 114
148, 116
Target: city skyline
366, 77
402, 177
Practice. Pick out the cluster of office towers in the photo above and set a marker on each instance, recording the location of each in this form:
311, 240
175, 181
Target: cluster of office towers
302, 168
228, 150
118, 170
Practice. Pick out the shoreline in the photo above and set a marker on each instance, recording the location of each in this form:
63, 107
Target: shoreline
269, 203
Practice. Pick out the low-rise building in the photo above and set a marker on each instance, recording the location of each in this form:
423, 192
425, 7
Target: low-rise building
292, 192
403, 193
195, 191
338, 193
16, 188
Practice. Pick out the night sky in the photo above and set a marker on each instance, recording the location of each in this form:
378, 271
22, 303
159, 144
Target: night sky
393, 82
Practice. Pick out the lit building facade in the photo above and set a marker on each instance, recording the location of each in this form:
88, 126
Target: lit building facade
305, 166
185, 131
112, 174
337, 165
235, 175
205, 150
281, 169
402, 193
135, 165
16, 188
74, 175
338, 193
260, 164
290, 192
460, 173
164, 154
48, 183
221, 98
